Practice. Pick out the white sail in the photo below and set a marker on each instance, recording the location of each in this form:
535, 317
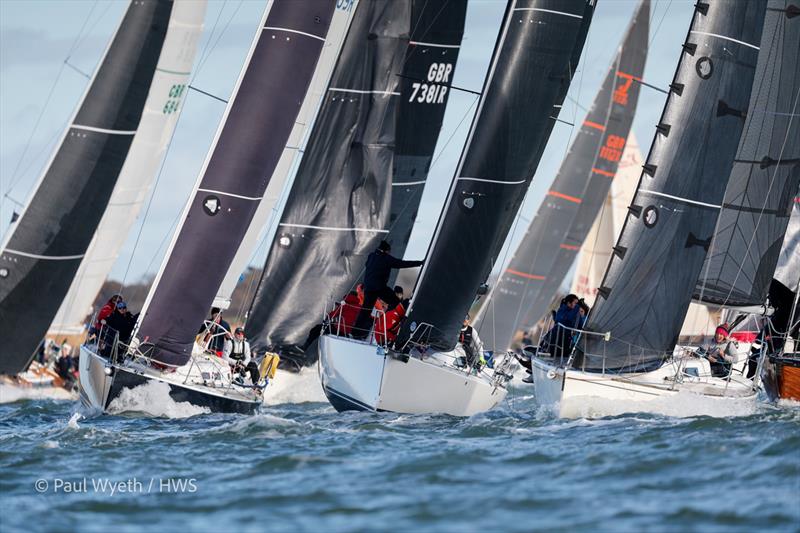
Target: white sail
160, 116
596, 249
268, 208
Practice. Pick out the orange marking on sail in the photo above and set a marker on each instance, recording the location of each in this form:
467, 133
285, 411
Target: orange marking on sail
628, 76
524, 274
594, 125
603, 172
570, 247
564, 196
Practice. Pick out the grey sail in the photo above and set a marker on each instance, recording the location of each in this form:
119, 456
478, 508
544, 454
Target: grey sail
249, 144
531, 70
377, 127
44, 248
788, 268
652, 273
551, 242
765, 176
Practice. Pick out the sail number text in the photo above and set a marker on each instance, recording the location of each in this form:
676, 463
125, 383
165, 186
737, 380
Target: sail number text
175, 94
433, 92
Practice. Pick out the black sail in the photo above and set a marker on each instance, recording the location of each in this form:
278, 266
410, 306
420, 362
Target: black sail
652, 273
255, 129
381, 117
528, 79
45, 246
562, 222
765, 176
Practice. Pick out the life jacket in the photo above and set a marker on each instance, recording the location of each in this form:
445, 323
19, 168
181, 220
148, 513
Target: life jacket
237, 352
344, 316
387, 325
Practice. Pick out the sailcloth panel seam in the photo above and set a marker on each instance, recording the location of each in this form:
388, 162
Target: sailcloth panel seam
45, 257
103, 130
731, 39
331, 228
420, 43
275, 28
251, 198
483, 180
403, 183
358, 91
573, 15
679, 199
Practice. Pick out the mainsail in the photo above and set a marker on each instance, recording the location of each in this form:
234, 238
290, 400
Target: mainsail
267, 212
549, 246
257, 123
650, 278
43, 250
160, 116
531, 70
377, 128
765, 175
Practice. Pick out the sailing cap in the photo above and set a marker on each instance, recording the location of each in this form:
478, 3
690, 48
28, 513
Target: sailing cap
384, 246
722, 328
238, 330
122, 305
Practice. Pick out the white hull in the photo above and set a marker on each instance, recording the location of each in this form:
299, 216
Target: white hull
357, 375
572, 393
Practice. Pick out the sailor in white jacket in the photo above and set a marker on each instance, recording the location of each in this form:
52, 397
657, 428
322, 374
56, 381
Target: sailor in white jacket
236, 352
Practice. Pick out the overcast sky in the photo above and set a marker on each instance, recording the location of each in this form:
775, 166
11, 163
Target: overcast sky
36, 85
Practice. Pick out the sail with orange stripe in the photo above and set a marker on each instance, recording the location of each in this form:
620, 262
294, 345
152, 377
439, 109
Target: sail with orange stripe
550, 245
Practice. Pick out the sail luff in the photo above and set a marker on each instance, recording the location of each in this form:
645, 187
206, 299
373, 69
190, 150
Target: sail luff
339, 205
765, 175
247, 147
43, 250
547, 250
530, 73
160, 116
649, 281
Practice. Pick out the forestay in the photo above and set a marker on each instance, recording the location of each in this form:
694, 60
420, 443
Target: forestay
257, 122
43, 250
379, 122
531, 70
649, 282
562, 222
765, 176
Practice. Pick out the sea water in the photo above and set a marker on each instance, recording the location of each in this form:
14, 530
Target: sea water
298, 465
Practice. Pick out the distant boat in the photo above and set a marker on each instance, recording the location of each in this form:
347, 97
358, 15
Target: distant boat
159, 118
625, 351
256, 126
550, 244
363, 169
44, 248
428, 372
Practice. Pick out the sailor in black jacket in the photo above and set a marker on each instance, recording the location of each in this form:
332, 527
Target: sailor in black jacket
376, 277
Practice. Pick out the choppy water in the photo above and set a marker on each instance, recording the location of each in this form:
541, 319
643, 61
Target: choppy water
303, 466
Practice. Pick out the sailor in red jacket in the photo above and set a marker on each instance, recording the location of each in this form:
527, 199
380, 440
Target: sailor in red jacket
387, 324
344, 315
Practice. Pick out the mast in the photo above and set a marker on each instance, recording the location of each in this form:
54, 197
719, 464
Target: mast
765, 175
267, 214
43, 250
550, 244
251, 138
649, 281
530, 73
377, 128
160, 116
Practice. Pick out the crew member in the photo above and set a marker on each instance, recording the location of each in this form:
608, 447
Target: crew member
236, 352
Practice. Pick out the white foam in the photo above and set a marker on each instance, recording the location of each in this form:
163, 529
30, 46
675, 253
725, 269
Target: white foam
50, 444
12, 393
152, 398
680, 405
73, 421
294, 387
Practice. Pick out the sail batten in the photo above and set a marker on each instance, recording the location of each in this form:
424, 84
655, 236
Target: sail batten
529, 76
44, 248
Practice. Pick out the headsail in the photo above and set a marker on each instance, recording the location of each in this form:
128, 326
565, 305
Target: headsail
389, 87
43, 250
248, 145
160, 116
788, 270
530, 73
649, 282
565, 216
765, 176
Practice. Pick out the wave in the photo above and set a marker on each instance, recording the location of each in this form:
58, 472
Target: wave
153, 399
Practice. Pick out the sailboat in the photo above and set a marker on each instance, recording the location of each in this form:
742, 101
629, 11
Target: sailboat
548, 249
425, 371
43, 250
159, 118
625, 351
248, 145
364, 167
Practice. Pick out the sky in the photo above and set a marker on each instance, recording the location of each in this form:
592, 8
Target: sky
44, 67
